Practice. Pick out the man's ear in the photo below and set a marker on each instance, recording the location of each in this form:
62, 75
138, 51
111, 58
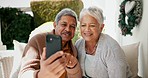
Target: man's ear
54, 24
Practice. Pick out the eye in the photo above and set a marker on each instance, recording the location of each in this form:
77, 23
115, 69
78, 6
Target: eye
92, 25
83, 25
73, 26
63, 24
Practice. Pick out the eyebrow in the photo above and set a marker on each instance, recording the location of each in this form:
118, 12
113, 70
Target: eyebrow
63, 22
92, 23
66, 23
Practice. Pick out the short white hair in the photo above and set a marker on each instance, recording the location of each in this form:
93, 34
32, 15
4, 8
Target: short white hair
95, 12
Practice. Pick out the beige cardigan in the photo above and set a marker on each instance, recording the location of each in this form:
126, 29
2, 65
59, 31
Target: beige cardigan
31, 58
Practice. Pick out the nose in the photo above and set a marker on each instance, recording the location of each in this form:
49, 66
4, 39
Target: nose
87, 28
67, 28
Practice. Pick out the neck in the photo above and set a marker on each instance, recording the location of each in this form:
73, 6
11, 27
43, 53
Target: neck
91, 47
91, 43
64, 43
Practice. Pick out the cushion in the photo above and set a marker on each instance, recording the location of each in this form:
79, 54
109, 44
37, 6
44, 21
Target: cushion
18, 51
6, 63
6, 66
45, 27
131, 53
1, 70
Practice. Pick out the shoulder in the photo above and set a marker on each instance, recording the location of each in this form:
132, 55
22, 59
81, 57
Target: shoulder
109, 40
79, 42
109, 43
38, 37
37, 40
107, 37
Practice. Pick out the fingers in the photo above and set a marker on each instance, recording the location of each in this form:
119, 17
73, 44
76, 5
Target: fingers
71, 60
43, 56
67, 55
56, 63
59, 74
58, 68
51, 58
54, 57
53, 66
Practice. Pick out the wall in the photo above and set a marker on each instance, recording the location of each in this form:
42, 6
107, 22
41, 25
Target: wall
15, 3
109, 10
140, 34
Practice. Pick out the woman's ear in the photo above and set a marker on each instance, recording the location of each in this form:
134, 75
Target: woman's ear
54, 24
102, 26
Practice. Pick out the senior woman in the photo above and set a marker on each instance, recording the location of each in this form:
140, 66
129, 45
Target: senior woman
100, 55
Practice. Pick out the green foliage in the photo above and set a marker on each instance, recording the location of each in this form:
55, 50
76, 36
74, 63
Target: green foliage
133, 17
45, 11
77, 34
15, 24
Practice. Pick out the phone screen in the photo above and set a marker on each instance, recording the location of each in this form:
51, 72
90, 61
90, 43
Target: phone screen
53, 44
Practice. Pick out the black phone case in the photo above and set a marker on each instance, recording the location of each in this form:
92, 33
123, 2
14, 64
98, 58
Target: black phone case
53, 44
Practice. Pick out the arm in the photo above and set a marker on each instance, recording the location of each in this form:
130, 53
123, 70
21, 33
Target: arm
74, 72
34, 62
73, 67
116, 62
48, 67
30, 64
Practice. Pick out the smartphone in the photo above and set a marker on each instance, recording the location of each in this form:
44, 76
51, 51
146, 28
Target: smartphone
53, 44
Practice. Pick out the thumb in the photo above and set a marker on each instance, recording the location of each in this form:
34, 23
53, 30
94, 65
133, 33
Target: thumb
43, 56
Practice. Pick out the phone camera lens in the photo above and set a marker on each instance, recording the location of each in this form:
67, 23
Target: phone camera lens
50, 39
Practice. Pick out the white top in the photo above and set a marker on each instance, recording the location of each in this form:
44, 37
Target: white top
89, 65
109, 60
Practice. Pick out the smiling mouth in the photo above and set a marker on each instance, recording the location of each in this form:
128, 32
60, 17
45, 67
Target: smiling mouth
87, 34
66, 34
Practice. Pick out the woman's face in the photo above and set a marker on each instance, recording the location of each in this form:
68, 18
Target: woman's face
90, 28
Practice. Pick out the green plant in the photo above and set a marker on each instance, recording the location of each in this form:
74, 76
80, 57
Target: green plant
46, 10
77, 34
16, 25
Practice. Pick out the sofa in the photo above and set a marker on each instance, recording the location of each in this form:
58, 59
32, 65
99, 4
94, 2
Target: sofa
10, 60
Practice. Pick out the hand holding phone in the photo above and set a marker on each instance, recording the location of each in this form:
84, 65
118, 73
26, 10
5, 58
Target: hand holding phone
53, 44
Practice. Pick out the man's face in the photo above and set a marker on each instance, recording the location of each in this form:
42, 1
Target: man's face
65, 28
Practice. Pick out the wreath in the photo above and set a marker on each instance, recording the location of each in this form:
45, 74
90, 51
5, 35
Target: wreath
130, 15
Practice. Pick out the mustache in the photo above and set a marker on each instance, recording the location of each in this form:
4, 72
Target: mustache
66, 32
